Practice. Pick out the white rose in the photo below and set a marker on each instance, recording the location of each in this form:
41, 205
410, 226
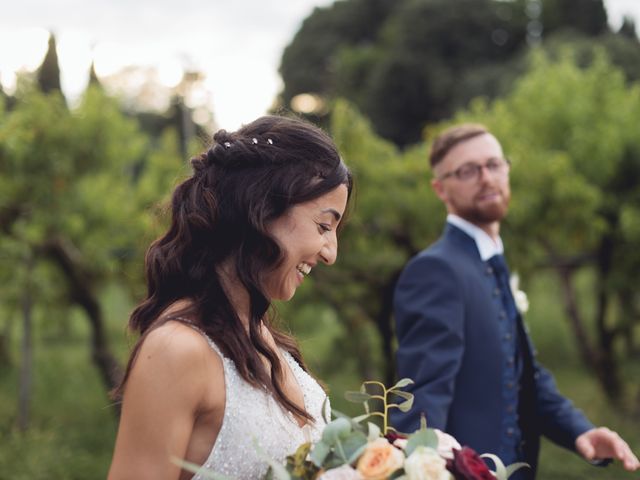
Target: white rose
446, 444
344, 472
425, 463
401, 443
519, 297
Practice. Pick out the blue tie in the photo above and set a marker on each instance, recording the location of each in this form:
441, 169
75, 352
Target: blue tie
501, 271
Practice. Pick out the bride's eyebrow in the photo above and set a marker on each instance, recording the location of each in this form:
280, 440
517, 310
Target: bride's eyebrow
334, 212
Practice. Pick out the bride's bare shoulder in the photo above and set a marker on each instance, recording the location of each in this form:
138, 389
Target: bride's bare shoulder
174, 353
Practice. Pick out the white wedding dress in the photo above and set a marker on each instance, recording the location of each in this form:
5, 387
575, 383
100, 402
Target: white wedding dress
253, 417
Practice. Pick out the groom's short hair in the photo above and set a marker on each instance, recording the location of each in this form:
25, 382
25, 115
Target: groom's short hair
451, 137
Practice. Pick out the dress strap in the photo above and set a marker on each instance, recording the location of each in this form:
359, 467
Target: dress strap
189, 323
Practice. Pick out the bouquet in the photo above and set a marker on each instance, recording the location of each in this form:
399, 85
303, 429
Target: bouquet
357, 449
352, 450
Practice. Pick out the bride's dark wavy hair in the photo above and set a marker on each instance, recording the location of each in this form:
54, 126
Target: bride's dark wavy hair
245, 180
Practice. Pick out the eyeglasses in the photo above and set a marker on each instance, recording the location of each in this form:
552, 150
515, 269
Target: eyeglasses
471, 170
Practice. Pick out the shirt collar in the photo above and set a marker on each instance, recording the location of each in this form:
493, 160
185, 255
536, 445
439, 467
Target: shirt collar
486, 245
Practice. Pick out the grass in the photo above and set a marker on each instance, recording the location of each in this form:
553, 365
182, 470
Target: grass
73, 428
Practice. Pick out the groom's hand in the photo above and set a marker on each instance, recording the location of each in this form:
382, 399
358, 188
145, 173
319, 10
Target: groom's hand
602, 443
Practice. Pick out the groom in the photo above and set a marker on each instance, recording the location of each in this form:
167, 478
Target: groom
461, 337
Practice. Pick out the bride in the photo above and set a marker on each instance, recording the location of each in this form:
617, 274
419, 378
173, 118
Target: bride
210, 376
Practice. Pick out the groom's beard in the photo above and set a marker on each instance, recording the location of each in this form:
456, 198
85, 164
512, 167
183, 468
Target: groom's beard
482, 213
479, 216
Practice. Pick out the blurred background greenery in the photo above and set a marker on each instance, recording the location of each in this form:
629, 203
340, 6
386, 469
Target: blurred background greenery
83, 191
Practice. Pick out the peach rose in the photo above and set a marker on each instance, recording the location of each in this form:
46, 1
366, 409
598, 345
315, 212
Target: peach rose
379, 460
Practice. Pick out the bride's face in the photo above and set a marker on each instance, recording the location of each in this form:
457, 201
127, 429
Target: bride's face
307, 235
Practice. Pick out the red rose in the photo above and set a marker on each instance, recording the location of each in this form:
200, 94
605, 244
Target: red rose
392, 436
467, 465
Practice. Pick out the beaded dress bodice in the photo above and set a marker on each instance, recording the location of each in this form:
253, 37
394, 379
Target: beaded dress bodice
253, 416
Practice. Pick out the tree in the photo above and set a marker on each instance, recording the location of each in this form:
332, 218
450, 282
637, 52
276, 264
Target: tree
48, 73
76, 188
94, 81
393, 213
419, 61
588, 17
572, 133
628, 28
414, 65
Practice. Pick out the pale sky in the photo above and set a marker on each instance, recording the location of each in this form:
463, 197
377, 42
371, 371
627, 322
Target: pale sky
236, 43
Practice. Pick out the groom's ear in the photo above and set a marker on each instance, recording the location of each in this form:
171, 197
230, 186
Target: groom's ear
438, 188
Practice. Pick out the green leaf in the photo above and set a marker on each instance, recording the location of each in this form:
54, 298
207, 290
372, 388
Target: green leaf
501, 471
353, 446
423, 422
362, 417
424, 438
319, 453
516, 466
406, 406
357, 397
335, 430
402, 383
401, 394
334, 460
355, 421
374, 431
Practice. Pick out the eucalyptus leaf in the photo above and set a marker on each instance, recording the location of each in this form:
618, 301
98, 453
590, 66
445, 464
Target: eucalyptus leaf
355, 421
424, 438
319, 453
357, 397
336, 429
340, 452
406, 406
374, 431
333, 460
362, 417
403, 382
401, 394
353, 446
500, 471
423, 422
516, 466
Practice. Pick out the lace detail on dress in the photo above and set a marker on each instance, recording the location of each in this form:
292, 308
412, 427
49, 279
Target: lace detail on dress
253, 416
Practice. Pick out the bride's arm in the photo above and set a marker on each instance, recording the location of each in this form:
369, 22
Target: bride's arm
166, 390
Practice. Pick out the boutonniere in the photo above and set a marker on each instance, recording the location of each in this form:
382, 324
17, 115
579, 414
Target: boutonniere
522, 302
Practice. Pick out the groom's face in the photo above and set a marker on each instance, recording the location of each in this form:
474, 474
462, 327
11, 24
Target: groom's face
481, 199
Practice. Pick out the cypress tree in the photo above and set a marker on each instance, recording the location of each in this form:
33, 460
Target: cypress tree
48, 73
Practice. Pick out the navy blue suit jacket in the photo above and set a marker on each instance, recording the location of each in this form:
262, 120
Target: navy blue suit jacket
449, 344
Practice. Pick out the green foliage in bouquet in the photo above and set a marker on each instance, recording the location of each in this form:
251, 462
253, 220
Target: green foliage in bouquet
350, 449
345, 439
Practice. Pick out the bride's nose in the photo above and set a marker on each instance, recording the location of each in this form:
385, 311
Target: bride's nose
329, 251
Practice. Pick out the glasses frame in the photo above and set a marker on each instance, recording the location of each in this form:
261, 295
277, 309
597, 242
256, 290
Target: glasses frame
478, 169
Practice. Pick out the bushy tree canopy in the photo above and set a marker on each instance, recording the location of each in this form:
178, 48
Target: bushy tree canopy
410, 63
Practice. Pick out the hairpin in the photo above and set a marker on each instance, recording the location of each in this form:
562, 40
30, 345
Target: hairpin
227, 144
269, 141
